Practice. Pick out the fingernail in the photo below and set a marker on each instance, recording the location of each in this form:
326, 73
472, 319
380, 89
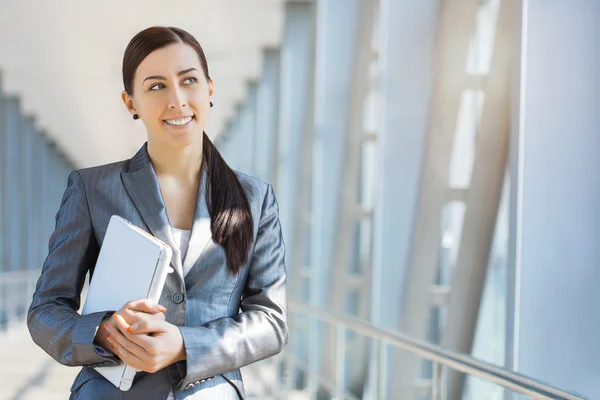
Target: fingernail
105, 326
108, 338
129, 329
132, 327
162, 309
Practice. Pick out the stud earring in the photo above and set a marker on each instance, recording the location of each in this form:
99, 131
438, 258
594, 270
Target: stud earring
211, 104
135, 116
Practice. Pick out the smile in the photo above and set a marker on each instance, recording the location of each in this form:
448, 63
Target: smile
178, 122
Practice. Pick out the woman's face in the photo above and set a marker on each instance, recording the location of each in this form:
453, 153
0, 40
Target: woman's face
171, 96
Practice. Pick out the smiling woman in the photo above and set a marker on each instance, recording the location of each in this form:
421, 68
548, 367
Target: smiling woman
223, 227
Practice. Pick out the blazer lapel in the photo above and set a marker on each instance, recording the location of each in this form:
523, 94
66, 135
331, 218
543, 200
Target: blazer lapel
143, 187
201, 232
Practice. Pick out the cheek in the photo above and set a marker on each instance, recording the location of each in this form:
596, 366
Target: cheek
153, 111
198, 99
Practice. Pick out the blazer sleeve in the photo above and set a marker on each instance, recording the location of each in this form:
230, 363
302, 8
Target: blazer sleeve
260, 329
52, 319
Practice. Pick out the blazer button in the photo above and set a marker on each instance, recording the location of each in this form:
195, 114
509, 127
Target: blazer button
177, 297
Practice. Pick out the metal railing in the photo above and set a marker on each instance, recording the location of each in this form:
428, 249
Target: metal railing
441, 359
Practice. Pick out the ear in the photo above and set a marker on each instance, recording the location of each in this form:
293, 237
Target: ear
211, 87
128, 101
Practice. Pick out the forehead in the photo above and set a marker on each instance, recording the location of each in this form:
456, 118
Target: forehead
169, 60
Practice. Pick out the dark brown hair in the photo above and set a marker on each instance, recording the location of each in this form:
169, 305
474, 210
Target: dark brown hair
231, 219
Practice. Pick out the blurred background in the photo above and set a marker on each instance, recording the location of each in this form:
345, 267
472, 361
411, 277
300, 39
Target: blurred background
435, 161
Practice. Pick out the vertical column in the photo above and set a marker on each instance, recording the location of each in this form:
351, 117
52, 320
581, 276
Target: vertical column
351, 274
28, 164
222, 142
247, 134
405, 101
3, 214
294, 145
336, 30
557, 192
234, 149
61, 172
482, 198
296, 72
44, 176
267, 117
406, 27
228, 140
26, 168
49, 207
35, 260
13, 207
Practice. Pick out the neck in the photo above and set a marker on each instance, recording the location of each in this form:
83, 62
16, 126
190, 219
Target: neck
180, 163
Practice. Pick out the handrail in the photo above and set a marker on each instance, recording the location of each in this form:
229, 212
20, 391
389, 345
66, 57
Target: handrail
457, 361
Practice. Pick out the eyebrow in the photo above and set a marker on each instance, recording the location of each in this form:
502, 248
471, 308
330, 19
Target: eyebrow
185, 71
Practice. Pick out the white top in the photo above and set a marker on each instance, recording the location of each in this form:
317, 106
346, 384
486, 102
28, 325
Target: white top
182, 240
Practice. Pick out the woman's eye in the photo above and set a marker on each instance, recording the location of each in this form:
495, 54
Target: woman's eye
153, 87
193, 79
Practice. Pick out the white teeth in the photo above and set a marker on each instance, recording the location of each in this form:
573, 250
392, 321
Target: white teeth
178, 121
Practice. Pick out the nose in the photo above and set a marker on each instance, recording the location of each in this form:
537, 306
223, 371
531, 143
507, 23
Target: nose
177, 99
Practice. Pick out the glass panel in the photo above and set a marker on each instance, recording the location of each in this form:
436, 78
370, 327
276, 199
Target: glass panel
479, 389
490, 335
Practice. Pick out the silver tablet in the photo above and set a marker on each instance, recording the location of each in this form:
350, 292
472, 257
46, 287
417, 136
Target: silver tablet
132, 265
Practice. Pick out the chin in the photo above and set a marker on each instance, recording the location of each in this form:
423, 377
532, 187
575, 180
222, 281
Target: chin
183, 139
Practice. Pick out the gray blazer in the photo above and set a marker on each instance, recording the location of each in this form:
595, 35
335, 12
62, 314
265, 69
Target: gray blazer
226, 321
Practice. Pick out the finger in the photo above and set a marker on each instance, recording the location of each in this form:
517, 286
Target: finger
132, 353
117, 340
121, 324
141, 339
125, 355
132, 316
145, 305
158, 316
149, 326
140, 316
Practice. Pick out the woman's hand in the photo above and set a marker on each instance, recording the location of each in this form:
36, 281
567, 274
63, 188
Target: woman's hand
132, 312
148, 345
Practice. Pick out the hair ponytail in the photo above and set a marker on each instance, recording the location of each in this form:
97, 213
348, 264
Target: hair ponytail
231, 220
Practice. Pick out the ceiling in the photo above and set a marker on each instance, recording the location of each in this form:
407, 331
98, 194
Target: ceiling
63, 59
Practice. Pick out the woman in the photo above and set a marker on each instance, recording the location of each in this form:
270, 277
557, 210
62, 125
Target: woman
223, 227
